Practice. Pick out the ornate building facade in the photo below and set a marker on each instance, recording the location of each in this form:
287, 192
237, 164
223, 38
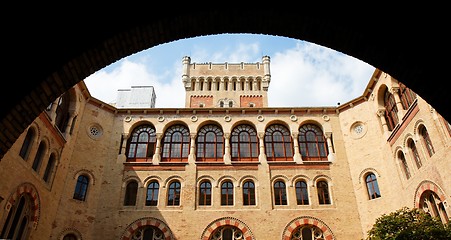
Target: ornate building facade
227, 165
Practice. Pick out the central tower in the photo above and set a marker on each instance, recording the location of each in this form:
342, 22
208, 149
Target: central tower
226, 85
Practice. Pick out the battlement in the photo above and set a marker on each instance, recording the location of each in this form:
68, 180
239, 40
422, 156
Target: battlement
226, 81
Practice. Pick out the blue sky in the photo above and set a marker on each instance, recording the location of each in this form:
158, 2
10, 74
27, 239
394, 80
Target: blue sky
303, 74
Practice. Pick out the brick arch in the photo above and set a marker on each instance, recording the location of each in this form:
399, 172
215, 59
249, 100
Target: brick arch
227, 221
147, 221
424, 186
30, 190
307, 220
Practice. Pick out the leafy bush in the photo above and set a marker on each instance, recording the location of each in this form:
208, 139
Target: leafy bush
409, 224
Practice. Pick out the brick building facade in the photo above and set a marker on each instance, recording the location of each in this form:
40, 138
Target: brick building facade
227, 166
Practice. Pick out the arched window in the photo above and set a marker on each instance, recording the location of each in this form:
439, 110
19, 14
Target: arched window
81, 188
141, 144
18, 219
404, 165
174, 194
205, 193
176, 143
372, 186
244, 143
62, 112
323, 192
302, 193
391, 111
278, 144
312, 143
131, 190
227, 193
27, 143
39, 156
230, 103
407, 96
227, 233
49, 170
280, 193
414, 152
152, 193
210, 144
248, 193
426, 140
221, 103
435, 207
307, 232
148, 233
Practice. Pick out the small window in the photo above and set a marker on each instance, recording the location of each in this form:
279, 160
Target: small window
372, 186
27, 143
50, 168
323, 192
174, 194
152, 193
130, 193
249, 193
280, 193
205, 193
227, 193
38, 157
426, 140
302, 193
81, 188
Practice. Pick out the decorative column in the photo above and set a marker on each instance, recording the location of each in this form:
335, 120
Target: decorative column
246, 84
53, 110
214, 84
261, 140
72, 115
331, 156
124, 143
254, 85
297, 153
157, 155
401, 112
221, 84
197, 88
381, 114
192, 149
227, 157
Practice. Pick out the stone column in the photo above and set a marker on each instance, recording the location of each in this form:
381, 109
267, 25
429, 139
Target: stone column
197, 85
381, 114
227, 157
69, 124
330, 149
297, 153
262, 154
192, 149
53, 110
157, 155
401, 112
221, 84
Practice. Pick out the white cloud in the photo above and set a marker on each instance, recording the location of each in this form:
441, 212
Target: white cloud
311, 75
306, 75
103, 85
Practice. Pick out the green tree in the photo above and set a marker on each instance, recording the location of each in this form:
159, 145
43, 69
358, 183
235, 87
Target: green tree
409, 224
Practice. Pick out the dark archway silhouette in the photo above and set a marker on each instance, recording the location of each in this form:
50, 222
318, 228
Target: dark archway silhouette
49, 50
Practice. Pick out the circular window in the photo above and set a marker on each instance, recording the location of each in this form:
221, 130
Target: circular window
358, 130
95, 131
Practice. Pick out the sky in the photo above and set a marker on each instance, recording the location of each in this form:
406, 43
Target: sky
303, 74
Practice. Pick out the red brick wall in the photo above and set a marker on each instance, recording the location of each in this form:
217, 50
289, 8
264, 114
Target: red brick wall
195, 101
256, 100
